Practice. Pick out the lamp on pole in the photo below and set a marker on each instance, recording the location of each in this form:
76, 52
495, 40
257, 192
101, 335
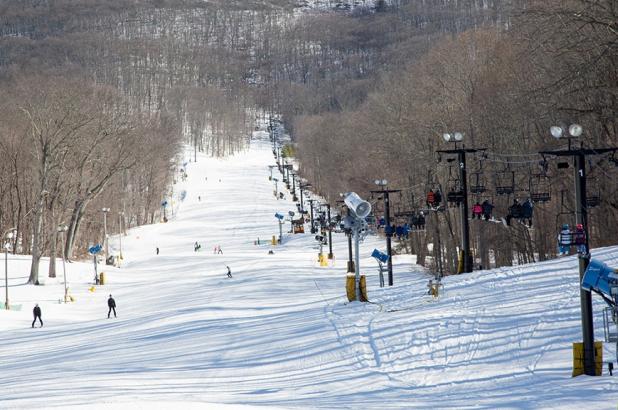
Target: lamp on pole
581, 217
61, 230
294, 197
302, 205
8, 235
311, 201
105, 241
330, 232
382, 183
466, 256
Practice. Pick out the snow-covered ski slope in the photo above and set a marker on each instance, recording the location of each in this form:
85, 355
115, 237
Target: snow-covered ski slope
280, 334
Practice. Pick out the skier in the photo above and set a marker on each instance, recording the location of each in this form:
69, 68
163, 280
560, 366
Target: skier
229, 272
196, 247
219, 251
157, 250
37, 315
111, 303
565, 239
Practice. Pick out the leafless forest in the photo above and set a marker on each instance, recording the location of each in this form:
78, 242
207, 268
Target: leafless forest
98, 98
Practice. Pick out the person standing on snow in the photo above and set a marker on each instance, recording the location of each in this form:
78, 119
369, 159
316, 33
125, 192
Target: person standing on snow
37, 315
229, 272
111, 303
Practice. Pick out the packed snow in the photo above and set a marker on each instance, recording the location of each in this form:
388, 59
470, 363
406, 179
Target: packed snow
280, 333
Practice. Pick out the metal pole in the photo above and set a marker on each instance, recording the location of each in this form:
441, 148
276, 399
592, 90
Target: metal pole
302, 209
105, 242
357, 267
6, 277
581, 217
64, 268
330, 234
96, 275
294, 198
465, 227
389, 234
350, 255
120, 233
280, 232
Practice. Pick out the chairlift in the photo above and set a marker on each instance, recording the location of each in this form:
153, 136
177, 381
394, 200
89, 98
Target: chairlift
593, 196
565, 216
505, 181
477, 184
455, 194
540, 188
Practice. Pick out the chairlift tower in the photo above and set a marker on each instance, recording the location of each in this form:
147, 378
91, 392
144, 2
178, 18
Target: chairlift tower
348, 233
330, 231
581, 217
387, 222
456, 137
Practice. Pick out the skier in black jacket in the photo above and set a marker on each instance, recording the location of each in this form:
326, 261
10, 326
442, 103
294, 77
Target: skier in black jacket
37, 314
111, 303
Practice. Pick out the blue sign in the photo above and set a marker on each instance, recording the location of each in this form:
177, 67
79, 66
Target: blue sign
93, 250
279, 216
381, 256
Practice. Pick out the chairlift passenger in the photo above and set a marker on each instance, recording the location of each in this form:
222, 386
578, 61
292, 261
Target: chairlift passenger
477, 210
487, 209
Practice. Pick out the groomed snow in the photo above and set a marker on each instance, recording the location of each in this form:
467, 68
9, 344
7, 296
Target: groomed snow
280, 333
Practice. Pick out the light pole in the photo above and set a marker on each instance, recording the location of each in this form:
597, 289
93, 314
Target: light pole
294, 197
311, 201
8, 235
466, 255
62, 229
105, 241
581, 217
330, 232
387, 220
302, 205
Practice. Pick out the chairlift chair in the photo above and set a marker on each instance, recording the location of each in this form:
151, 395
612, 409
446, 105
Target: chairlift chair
540, 188
505, 182
593, 197
455, 194
477, 184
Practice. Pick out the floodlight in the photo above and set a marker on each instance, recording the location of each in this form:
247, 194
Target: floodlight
556, 131
575, 130
458, 136
446, 136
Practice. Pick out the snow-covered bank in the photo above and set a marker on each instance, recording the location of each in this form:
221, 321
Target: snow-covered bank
280, 333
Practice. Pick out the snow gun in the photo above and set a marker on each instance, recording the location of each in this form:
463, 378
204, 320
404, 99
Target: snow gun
603, 280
